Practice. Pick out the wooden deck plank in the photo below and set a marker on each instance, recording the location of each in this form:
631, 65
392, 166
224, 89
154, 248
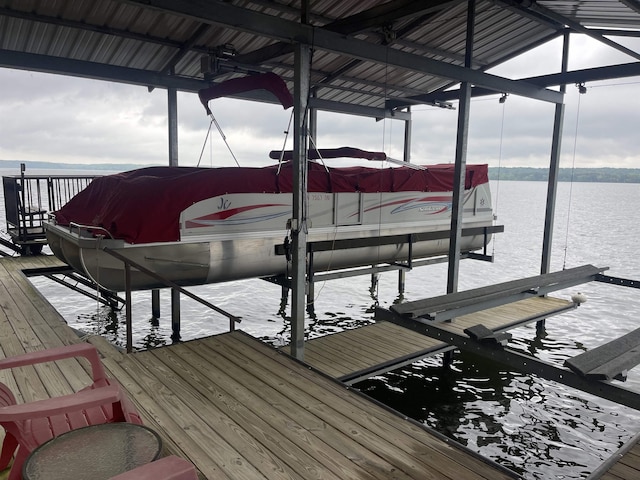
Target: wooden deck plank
295, 398
375, 345
240, 427
380, 423
178, 436
623, 465
240, 400
30, 331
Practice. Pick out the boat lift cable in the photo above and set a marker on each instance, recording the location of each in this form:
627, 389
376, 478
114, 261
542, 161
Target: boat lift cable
503, 101
284, 143
224, 138
204, 144
581, 90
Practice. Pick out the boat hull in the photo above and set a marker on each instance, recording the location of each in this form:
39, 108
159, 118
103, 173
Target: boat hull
246, 256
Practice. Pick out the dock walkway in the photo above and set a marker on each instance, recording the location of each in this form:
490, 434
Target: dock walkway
373, 349
235, 407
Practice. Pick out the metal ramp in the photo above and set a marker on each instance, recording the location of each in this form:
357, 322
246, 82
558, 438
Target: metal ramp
446, 307
589, 372
609, 361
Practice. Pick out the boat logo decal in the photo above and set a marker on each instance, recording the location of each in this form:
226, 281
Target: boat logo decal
428, 205
225, 217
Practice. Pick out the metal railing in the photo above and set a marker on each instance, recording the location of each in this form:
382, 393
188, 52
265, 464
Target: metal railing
128, 263
27, 201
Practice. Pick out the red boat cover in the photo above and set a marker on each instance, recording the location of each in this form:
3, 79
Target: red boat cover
143, 206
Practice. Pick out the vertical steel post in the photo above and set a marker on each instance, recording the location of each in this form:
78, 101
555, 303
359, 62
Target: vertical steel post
461, 160
554, 168
175, 315
299, 220
407, 158
172, 102
401, 282
313, 121
128, 310
407, 138
155, 303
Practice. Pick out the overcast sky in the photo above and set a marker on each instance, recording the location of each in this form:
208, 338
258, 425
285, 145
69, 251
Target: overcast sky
71, 120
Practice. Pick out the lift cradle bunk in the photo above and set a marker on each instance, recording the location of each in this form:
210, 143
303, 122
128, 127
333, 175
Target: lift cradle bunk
591, 371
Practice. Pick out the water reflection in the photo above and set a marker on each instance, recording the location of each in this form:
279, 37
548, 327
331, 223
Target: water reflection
532, 426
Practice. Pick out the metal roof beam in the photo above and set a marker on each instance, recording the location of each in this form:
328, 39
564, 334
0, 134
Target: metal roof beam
62, 22
353, 109
184, 48
366, 20
618, 33
575, 76
535, 8
97, 71
632, 4
286, 31
145, 78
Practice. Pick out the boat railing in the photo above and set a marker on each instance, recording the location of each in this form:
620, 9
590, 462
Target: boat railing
128, 263
28, 199
90, 228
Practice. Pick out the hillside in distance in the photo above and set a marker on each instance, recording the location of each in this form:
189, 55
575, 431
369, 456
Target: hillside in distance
601, 175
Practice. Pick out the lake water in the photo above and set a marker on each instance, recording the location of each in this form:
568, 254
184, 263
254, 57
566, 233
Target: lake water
538, 428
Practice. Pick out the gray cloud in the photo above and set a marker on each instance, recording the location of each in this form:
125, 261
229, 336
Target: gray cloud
71, 120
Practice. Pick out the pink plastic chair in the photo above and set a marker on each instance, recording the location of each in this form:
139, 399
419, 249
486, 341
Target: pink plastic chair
31, 424
166, 468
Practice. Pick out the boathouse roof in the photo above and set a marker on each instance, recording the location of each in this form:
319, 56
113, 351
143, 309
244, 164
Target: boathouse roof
367, 54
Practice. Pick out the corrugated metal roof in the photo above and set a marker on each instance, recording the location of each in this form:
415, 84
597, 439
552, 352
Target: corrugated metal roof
169, 40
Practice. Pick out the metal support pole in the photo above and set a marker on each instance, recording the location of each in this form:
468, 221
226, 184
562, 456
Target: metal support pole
407, 138
554, 168
401, 281
172, 101
313, 121
311, 289
461, 160
299, 220
447, 358
175, 315
155, 303
128, 310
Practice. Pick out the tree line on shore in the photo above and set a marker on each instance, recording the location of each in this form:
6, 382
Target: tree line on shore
601, 175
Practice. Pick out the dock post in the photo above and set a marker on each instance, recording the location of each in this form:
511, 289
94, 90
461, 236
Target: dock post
401, 282
311, 285
447, 359
155, 303
375, 278
175, 315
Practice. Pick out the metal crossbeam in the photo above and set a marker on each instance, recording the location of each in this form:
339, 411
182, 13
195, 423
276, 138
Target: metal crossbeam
514, 359
446, 307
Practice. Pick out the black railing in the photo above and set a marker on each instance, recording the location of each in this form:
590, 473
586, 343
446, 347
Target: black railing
28, 199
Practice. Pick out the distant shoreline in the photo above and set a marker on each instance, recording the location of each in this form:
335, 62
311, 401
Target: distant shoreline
529, 174
596, 175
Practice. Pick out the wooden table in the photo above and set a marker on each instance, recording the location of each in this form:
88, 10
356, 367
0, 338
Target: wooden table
98, 452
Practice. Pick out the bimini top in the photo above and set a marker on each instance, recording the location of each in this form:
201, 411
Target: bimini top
144, 205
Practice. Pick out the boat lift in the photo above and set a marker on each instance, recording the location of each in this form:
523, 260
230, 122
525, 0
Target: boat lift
591, 371
286, 281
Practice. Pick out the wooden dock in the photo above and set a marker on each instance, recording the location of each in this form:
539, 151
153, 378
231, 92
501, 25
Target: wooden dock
235, 407
383, 346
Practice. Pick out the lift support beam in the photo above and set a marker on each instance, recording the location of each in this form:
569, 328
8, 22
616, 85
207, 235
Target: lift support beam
514, 359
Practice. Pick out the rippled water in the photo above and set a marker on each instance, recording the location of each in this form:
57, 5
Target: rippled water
536, 427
